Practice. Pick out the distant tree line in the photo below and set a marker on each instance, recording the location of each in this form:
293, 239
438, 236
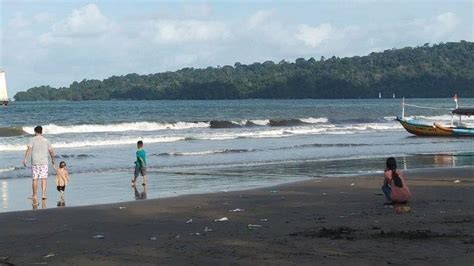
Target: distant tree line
427, 71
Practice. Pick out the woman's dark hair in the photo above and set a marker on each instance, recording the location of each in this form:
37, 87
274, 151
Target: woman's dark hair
140, 143
62, 164
392, 165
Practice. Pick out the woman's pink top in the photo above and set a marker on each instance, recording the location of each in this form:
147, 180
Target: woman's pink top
398, 194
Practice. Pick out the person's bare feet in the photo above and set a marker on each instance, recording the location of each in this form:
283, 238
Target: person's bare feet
133, 183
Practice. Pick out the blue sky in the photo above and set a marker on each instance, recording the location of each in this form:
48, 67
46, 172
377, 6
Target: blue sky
52, 42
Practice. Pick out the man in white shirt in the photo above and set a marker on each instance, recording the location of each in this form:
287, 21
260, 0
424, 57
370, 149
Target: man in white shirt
39, 148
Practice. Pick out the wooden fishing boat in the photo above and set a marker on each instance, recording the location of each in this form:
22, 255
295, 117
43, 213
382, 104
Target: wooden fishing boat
455, 129
418, 128
438, 130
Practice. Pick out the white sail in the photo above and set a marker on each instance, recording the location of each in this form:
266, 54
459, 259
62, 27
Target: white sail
3, 87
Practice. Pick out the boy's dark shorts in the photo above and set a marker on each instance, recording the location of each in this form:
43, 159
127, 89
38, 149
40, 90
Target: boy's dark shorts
140, 170
61, 188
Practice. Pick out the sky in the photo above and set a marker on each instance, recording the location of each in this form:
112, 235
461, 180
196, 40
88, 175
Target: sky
53, 42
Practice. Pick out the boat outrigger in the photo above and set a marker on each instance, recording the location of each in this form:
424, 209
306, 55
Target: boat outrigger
455, 129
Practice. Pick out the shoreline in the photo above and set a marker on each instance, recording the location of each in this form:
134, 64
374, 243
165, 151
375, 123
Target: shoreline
333, 221
280, 184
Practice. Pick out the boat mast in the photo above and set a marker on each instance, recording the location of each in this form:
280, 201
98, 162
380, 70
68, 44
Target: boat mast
403, 108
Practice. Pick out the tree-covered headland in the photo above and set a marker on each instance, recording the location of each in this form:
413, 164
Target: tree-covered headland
429, 71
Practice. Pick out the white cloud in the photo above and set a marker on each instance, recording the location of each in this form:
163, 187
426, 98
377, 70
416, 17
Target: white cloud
179, 31
259, 18
314, 36
85, 21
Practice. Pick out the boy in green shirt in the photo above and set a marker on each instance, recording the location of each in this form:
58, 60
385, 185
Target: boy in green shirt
140, 163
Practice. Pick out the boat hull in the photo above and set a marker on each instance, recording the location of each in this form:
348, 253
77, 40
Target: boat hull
420, 129
457, 131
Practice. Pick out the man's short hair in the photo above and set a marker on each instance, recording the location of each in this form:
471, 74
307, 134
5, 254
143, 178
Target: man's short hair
39, 129
140, 143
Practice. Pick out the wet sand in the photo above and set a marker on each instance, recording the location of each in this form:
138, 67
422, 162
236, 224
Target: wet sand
320, 221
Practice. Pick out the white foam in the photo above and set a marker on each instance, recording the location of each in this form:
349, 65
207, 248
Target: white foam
260, 122
312, 120
8, 169
53, 129
93, 143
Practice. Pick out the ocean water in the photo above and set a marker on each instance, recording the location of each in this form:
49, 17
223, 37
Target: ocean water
208, 146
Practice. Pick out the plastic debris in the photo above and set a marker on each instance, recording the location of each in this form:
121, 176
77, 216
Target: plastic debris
324, 194
49, 255
264, 220
177, 236
223, 219
237, 210
207, 229
274, 191
28, 219
98, 237
122, 207
457, 181
253, 226
353, 184
402, 209
189, 221
195, 234
153, 238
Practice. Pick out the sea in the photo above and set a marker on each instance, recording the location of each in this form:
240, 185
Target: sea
212, 146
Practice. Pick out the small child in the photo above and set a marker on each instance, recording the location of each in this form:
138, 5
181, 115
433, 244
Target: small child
62, 177
140, 164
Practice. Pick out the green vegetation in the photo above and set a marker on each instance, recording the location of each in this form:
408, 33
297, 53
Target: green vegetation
428, 71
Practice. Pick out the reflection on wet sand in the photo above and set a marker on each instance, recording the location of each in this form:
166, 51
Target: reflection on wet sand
4, 194
35, 204
140, 195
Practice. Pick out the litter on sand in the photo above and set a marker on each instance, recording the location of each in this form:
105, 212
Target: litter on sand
237, 210
223, 219
402, 209
253, 226
274, 191
153, 238
457, 181
353, 184
28, 219
49, 255
122, 207
207, 229
189, 221
177, 236
195, 234
98, 237
264, 220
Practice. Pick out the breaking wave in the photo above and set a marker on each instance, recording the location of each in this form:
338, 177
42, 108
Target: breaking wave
53, 129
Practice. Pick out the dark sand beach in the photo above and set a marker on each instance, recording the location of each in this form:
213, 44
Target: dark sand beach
320, 221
